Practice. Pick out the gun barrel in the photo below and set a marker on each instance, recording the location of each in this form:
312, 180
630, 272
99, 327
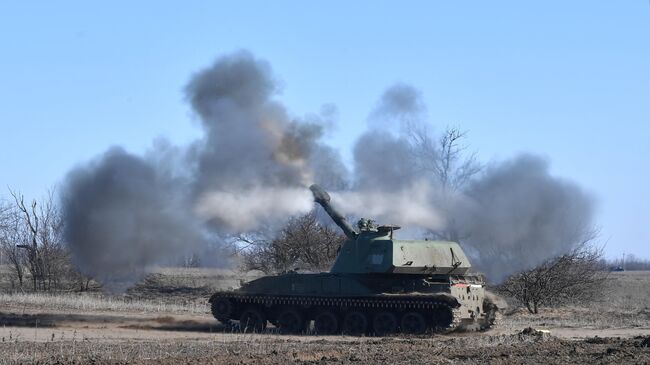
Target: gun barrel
323, 198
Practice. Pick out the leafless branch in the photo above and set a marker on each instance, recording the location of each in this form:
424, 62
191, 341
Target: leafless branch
575, 276
302, 243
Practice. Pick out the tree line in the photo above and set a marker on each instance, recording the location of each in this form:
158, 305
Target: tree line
628, 263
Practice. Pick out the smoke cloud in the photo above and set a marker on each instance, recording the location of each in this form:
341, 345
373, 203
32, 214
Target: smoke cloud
122, 217
410, 206
520, 215
252, 148
511, 215
243, 211
125, 213
399, 106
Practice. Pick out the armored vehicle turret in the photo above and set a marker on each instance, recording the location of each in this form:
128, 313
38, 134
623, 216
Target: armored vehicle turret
377, 285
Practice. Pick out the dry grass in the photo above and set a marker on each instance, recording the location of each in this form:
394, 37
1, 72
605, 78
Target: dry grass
624, 302
215, 279
87, 302
165, 290
626, 291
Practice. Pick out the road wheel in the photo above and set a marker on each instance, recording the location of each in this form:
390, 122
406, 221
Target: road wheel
326, 323
442, 318
384, 323
252, 320
355, 323
413, 323
222, 309
291, 321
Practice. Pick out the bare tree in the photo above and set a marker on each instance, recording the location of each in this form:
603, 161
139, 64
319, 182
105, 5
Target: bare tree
303, 243
38, 231
445, 158
447, 162
572, 277
10, 237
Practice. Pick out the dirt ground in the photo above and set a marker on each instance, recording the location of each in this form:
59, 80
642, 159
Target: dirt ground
82, 331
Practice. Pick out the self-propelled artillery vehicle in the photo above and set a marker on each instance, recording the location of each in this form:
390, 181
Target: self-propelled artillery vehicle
377, 285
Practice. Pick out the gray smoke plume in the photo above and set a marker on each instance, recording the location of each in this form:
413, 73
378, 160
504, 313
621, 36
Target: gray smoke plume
122, 217
387, 183
254, 162
385, 146
125, 213
249, 138
510, 216
383, 162
519, 215
399, 106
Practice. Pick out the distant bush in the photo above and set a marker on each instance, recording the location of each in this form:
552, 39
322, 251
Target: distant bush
303, 243
630, 263
576, 276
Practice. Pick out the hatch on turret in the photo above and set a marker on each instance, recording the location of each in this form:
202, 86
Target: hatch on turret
434, 257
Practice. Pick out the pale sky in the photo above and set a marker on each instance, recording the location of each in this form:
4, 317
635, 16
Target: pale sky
568, 80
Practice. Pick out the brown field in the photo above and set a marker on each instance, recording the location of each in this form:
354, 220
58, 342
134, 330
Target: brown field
165, 320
